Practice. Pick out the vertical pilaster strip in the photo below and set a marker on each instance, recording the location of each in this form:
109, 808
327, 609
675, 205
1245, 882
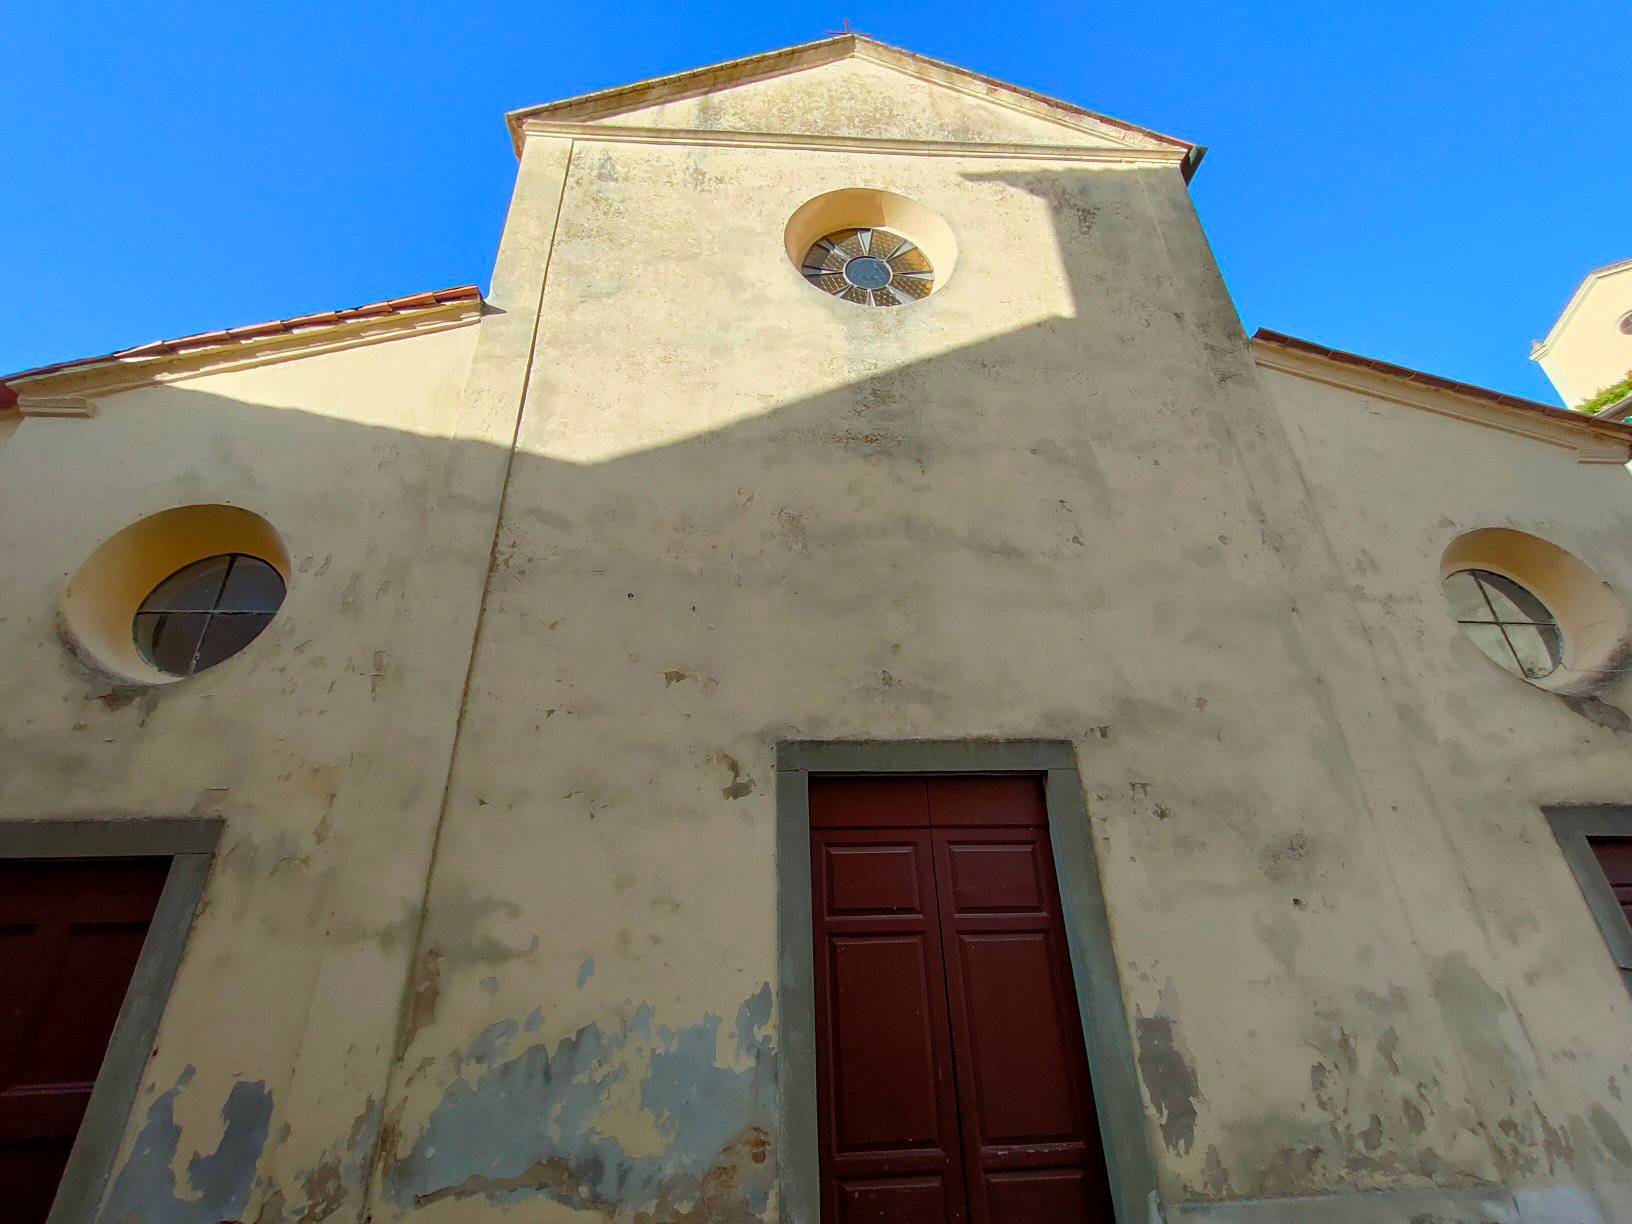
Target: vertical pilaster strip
480, 461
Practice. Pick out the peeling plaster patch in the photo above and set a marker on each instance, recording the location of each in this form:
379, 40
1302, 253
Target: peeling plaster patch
739, 785
586, 971
1168, 1072
341, 1172
219, 1184
491, 1042
1611, 1135
537, 1124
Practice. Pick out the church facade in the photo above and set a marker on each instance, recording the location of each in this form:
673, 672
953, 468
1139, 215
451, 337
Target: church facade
845, 688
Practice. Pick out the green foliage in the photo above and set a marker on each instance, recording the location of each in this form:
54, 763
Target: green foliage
1608, 396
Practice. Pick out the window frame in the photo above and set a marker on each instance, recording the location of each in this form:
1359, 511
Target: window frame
195, 661
1574, 828
1482, 579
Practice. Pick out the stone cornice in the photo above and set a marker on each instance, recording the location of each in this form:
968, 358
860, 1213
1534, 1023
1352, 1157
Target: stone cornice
605, 133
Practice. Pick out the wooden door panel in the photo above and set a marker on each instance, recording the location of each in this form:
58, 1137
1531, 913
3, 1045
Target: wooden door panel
1035, 1197
996, 878
914, 1200
80, 1000
883, 1048
70, 935
888, 1112
1024, 1100
1008, 991
873, 880
869, 803
991, 801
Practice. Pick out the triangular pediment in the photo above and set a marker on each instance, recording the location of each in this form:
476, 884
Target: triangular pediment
853, 87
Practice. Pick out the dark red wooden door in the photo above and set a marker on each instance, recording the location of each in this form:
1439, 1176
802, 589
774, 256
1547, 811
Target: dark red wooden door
70, 933
952, 1079
1614, 855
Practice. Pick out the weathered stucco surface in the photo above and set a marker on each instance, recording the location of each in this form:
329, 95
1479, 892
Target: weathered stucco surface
324, 747
1533, 1003
501, 945
856, 98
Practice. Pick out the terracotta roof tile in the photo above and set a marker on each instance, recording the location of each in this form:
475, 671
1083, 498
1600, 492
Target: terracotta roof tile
255, 331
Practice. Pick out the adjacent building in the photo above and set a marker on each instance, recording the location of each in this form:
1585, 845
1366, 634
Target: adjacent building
1588, 352
843, 688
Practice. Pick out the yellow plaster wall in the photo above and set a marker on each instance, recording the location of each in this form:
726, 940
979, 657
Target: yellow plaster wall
323, 745
1591, 352
1538, 1014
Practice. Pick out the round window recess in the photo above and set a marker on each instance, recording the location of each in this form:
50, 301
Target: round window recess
1535, 610
871, 267
176, 593
870, 247
1626, 324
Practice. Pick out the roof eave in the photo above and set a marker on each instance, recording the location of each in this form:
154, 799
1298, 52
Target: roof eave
1600, 441
66, 388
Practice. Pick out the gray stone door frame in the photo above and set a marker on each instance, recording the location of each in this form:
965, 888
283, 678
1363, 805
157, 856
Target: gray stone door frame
1093, 963
1573, 826
190, 845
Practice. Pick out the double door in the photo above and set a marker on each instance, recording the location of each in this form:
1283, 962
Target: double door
952, 1080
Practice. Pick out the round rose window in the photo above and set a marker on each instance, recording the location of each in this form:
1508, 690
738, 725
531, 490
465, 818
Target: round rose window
872, 267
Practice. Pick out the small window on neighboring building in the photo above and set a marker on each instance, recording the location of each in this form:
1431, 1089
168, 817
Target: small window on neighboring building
1626, 324
1515, 630
207, 612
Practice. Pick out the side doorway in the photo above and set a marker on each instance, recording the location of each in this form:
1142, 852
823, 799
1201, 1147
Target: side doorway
92, 920
952, 1079
1597, 845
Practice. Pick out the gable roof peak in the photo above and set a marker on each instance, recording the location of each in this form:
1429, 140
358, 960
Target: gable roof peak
695, 82
1539, 349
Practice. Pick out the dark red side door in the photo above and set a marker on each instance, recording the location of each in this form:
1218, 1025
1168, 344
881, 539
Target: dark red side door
1614, 855
952, 1079
70, 933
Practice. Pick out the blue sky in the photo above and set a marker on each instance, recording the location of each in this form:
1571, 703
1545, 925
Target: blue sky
1424, 183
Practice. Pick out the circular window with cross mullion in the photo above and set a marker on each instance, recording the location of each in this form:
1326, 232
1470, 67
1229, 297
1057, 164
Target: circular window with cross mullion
1513, 628
207, 612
